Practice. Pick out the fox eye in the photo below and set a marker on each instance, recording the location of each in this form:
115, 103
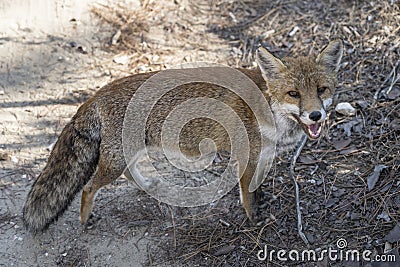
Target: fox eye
321, 90
294, 94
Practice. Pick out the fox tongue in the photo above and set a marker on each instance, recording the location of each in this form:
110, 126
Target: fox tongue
314, 130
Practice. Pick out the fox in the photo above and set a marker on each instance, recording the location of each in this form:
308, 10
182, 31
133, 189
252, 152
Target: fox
89, 153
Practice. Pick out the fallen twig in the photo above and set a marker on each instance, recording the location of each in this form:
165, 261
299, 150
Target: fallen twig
395, 76
296, 187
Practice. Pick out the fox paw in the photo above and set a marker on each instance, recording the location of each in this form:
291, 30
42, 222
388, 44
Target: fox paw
91, 221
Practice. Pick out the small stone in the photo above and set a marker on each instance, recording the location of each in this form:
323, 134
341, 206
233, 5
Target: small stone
14, 159
82, 49
142, 68
293, 31
123, 59
312, 181
346, 109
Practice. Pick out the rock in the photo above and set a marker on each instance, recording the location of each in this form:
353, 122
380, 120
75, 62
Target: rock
345, 108
14, 159
293, 31
123, 59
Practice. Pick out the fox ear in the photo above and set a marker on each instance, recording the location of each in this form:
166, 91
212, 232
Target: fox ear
331, 55
270, 65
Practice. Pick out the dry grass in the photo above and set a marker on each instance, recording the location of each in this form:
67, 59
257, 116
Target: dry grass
333, 172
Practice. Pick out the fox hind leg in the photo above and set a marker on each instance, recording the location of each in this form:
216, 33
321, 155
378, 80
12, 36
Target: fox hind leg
104, 175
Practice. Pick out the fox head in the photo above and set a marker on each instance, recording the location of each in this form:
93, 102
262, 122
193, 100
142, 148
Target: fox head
302, 88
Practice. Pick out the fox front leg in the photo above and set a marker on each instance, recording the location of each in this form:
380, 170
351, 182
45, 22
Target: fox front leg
249, 199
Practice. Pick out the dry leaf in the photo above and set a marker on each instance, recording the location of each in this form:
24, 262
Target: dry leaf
393, 235
373, 179
224, 250
340, 144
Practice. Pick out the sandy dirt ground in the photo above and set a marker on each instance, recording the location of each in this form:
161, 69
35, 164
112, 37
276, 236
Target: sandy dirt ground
50, 63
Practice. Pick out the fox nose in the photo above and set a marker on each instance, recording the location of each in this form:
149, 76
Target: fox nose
315, 116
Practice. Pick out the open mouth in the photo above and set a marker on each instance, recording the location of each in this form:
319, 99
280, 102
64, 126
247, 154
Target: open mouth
313, 130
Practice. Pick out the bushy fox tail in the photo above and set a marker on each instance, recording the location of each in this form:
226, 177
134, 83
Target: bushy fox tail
70, 166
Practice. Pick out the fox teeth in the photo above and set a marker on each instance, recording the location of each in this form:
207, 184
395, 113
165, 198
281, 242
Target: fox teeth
314, 130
